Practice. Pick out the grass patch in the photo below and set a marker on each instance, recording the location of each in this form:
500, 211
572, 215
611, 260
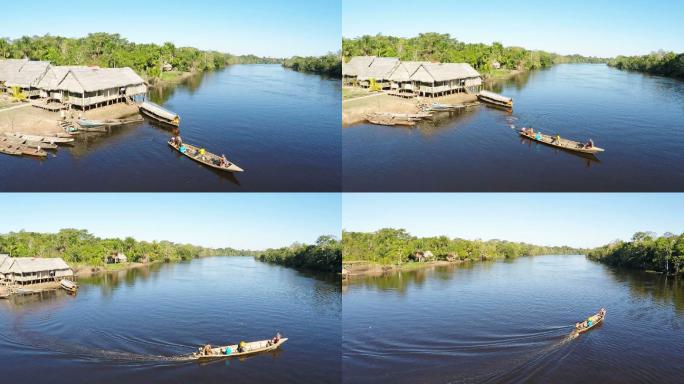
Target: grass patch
352, 93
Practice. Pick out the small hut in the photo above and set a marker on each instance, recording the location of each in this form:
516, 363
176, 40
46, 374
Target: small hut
400, 77
33, 270
116, 258
422, 256
355, 66
496, 65
23, 74
379, 71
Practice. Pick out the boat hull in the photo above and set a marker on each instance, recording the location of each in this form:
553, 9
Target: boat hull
252, 348
565, 144
193, 153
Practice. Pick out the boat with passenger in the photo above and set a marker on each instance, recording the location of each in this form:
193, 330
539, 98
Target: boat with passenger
559, 142
241, 349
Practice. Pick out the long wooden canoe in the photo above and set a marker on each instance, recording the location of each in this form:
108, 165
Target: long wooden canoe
28, 143
251, 348
10, 149
85, 123
24, 150
209, 159
68, 285
45, 139
580, 331
566, 144
159, 113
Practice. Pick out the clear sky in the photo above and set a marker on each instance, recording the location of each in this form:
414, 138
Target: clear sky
603, 28
238, 220
580, 220
274, 28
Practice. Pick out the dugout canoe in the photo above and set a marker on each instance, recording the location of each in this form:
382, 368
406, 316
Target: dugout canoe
251, 348
566, 144
599, 320
159, 113
85, 123
28, 143
495, 99
59, 139
68, 285
209, 159
10, 149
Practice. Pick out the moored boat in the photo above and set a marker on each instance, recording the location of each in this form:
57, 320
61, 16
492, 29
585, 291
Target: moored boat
208, 158
250, 348
566, 144
28, 143
159, 113
495, 99
10, 149
590, 323
68, 285
57, 139
85, 123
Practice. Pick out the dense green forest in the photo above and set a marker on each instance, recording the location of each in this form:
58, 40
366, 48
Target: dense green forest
391, 246
78, 246
657, 63
111, 50
646, 251
330, 64
325, 255
436, 47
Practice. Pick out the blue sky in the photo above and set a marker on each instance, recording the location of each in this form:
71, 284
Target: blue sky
273, 28
589, 27
252, 220
582, 220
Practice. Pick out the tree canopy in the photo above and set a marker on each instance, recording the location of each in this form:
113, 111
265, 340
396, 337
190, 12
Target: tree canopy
78, 246
657, 63
646, 251
325, 255
330, 64
111, 50
391, 246
439, 47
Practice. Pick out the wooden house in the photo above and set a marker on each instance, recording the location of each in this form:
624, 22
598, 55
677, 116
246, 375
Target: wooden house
49, 84
23, 74
355, 66
422, 256
433, 80
379, 71
116, 258
33, 270
88, 88
400, 77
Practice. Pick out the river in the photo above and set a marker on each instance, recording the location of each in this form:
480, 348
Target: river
507, 322
638, 119
281, 126
118, 325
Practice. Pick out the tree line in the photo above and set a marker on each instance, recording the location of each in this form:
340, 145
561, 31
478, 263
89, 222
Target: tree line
78, 246
325, 255
657, 63
438, 47
329, 65
111, 51
392, 246
645, 251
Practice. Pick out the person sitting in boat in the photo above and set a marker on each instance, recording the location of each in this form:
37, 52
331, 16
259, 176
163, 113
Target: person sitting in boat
557, 139
277, 338
206, 351
201, 153
241, 347
538, 136
223, 162
173, 141
589, 144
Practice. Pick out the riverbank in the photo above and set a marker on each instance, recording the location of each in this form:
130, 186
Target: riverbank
171, 78
356, 269
25, 118
355, 108
82, 270
501, 75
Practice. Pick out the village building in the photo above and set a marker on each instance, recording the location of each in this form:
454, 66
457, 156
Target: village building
116, 258
355, 66
32, 270
433, 80
378, 71
22, 74
400, 77
422, 256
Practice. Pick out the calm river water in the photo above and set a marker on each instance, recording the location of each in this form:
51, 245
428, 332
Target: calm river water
281, 126
507, 322
638, 119
117, 326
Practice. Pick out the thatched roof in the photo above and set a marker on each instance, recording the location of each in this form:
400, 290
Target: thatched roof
32, 264
98, 79
380, 68
404, 70
357, 65
10, 66
431, 72
24, 73
55, 75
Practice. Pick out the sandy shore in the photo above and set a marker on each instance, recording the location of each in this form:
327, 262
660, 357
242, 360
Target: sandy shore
25, 118
353, 110
364, 269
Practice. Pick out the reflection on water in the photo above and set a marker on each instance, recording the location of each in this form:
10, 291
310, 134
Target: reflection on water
509, 321
140, 325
